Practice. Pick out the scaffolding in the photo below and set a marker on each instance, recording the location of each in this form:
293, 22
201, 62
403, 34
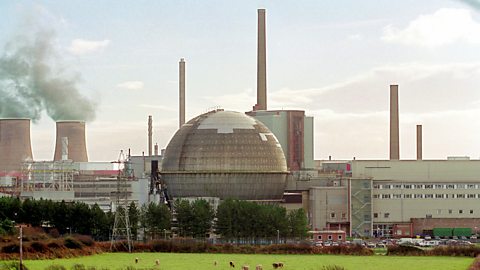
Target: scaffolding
53, 179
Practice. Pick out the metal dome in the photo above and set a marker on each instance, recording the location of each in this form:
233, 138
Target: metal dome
225, 154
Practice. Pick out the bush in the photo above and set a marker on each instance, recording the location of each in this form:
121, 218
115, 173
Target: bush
85, 239
11, 248
54, 245
476, 264
402, 250
39, 247
72, 243
56, 267
467, 251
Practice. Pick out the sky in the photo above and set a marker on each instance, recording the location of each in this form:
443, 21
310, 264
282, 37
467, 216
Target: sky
117, 62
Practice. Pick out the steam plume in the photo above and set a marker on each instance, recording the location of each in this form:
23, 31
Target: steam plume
31, 82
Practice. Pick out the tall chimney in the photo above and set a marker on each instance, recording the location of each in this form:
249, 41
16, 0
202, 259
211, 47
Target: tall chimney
15, 145
261, 63
74, 131
149, 135
394, 124
156, 149
182, 92
419, 142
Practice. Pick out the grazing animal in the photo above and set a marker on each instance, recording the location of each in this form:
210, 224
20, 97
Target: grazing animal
245, 267
277, 265
157, 262
259, 267
215, 263
136, 260
232, 264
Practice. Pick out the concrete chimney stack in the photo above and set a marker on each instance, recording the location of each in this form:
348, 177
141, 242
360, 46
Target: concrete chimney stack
150, 135
74, 131
394, 124
419, 142
261, 63
15, 145
182, 92
156, 150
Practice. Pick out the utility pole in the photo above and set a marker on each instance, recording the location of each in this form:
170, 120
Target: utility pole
121, 226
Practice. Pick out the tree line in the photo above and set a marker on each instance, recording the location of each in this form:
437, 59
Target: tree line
233, 219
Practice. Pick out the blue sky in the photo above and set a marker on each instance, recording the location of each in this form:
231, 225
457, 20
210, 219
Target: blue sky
334, 59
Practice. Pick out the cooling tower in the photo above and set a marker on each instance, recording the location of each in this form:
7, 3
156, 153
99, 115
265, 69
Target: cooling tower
77, 147
15, 145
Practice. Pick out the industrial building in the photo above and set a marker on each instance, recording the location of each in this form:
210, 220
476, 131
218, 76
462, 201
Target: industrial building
261, 155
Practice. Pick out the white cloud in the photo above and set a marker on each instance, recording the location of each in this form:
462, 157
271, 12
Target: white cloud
82, 46
131, 85
445, 26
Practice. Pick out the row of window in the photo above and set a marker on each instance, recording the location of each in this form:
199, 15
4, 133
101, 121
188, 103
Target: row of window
426, 186
426, 196
439, 212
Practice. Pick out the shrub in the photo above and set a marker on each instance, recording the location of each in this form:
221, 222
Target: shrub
56, 267
476, 264
467, 251
11, 248
405, 251
39, 247
54, 245
85, 239
72, 243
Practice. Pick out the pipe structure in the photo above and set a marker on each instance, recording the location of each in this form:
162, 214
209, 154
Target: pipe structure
261, 63
394, 124
419, 142
15, 144
150, 135
182, 92
74, 131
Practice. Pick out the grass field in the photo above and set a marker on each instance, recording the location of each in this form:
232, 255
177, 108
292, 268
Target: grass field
176, 261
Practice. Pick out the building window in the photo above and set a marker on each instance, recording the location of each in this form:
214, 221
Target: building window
439, 211
450, 211
471, 186
428, 196
438, 186
386, 186
386, 196
375, 196
375, 215
428, 186
407, 196
460, 186
428, 216
339, 237
418, 186
376, 186
450, 186
460, 211
386, 215
330, 237
319, 237
462, 196
418, 196
439, 196
397, 186
397, 196
471, 211
332, 214
344, 215
471, 196
407, 186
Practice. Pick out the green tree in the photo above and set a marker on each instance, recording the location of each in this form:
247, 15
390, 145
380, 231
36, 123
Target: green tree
298, 223
202, 218
133, 217
158, 218
184, 214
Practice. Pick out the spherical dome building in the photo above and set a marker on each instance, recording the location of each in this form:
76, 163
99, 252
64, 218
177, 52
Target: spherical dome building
225, 154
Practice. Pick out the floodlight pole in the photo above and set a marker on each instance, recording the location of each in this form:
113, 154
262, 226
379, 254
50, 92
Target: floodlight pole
21, 247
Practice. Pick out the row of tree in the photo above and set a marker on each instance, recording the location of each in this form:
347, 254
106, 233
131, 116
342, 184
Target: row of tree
233, 219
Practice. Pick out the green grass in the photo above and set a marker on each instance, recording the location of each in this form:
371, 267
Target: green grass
176, 261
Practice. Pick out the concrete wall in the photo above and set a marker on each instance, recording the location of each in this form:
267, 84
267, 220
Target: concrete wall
421, 224
328, 205
309, 162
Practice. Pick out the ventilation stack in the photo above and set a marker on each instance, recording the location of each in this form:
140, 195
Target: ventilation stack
419, 142
150, 128
74, 131
182, 92
394, 124
261, 63
15, 144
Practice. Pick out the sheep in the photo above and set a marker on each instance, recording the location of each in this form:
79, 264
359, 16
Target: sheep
259, 267
215, 263
277, 265
232, 264
136, 260
157, 262
245, 267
